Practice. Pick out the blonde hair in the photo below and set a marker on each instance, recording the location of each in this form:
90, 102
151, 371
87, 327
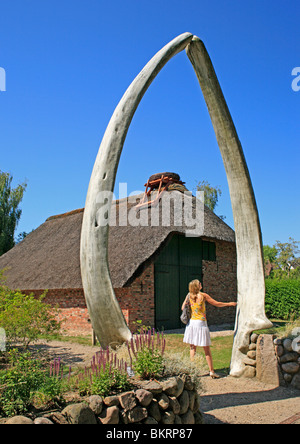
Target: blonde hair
194, 289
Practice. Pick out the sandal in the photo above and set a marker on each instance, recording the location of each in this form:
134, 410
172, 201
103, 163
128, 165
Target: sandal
214, 375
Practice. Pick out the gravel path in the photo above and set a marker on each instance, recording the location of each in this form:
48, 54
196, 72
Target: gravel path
227, 400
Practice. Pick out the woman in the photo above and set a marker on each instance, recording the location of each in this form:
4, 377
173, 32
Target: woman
197, 332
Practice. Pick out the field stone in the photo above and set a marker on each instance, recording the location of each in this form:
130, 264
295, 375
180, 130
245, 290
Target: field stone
296, 382
111, 400
188, 418
168, 417
110, 416
154, 410
137, 414
96, 404
19, 420
144, 397
184, 402
163, 401
289, 357
127, 400
79, 414
287, 343
42, 420
152, 386
174, 405
291, 367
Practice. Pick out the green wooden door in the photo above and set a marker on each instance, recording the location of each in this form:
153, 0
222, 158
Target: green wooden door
178, 264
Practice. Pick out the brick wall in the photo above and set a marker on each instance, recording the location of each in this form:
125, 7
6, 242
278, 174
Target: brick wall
219, 281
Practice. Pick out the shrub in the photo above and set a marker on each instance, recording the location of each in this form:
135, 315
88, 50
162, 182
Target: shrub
282, 298
25, 318
107, 374
23, 380
146, 354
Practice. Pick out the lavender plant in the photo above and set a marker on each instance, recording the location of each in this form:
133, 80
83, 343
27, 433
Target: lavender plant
146, 351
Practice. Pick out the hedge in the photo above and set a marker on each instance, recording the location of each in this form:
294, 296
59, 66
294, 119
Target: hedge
282, 298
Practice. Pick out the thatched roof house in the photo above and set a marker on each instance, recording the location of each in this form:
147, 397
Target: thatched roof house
48, 258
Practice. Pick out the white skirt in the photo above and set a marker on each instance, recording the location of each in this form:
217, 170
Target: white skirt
197, 333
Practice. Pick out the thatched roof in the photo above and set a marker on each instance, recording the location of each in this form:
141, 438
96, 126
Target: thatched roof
48, 258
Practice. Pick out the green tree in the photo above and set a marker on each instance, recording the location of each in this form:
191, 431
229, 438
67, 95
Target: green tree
211, 194
10, 213
287, 254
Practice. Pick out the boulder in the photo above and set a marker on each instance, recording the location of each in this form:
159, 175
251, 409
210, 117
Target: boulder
79, 414
127, 400
96, 404
110, 415
42, 420
144, 397
19, 420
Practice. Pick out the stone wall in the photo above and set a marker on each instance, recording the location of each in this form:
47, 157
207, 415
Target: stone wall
170, 401
273, 361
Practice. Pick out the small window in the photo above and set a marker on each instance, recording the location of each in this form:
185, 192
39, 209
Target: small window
209, 251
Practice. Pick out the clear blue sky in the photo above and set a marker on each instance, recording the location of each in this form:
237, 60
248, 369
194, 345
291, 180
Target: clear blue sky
68, 64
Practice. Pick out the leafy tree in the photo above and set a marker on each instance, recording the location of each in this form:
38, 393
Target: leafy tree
211, 194
10, 213
287, 254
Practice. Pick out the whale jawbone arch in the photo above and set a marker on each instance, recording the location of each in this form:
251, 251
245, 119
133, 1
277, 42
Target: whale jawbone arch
106, 315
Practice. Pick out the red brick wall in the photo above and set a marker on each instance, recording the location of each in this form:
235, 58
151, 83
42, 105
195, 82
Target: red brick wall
136, 302
219, 281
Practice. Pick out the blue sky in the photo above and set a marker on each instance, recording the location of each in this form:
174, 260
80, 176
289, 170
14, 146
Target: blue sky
68, 64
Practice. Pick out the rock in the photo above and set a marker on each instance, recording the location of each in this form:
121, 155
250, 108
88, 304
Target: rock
110, 415
188, 384
296, 382
248, 361
188, 418
250, 372
267, 368
19, 420
137, 414
154, 410
198, 418
251, 354
168, 417
111, 400
180, 386
184, 402
163, 401
152, 386
170, 386
42, 420
177, 420
291, 367
174, 405
58, 418
144, 397
96, 404
252, 347
254, 338
150, 420
197, 403
127, 400
289, 357
279, 350
79, 414
192, 398
277, 341
287, 343
288, 378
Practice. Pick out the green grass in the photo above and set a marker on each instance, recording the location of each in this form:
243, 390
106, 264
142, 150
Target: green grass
221, 350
